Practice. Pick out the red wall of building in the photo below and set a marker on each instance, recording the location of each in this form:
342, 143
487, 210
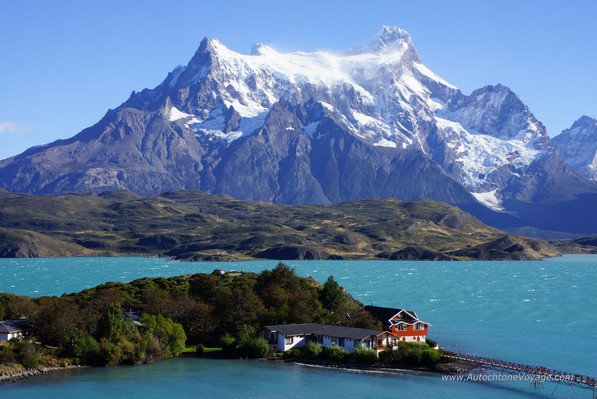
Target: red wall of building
409, 332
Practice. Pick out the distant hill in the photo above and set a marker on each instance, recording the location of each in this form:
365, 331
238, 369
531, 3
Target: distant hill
194, 225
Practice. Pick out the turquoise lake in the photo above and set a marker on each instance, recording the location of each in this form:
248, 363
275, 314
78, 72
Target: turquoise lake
539, 313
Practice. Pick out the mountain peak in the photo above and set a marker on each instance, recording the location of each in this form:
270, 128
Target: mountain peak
261, 49
209, 45
578, 146
498, 88
387, 39
201, 62
584, 121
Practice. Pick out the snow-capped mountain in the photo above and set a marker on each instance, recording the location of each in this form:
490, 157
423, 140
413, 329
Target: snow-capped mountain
314, 127
578, 146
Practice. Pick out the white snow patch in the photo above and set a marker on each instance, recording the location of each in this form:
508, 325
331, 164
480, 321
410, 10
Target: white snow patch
246, 111
481, 154
175, 114
249, 125
431, 75
227, 137
387, 143
374, 108
363, 119
289, 128
490, 200
311, 128
358, 84
215, 122
327, 106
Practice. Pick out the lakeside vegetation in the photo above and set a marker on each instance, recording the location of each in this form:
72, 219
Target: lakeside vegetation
191, 225
218, 309
406, 354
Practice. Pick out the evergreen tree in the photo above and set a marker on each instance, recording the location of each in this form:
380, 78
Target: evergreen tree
331, 295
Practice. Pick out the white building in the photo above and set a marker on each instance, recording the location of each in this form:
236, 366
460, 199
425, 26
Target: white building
288, 336
10, 329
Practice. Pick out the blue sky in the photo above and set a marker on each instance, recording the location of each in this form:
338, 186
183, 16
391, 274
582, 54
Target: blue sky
65, 63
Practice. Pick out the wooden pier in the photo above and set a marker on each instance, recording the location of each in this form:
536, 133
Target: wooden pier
538, 374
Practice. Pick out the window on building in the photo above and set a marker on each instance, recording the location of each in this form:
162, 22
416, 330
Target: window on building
289, 340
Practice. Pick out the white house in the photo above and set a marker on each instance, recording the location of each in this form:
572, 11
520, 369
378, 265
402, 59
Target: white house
10, 329
288, 336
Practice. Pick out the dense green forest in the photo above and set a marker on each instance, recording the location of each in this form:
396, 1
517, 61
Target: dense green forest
90, 327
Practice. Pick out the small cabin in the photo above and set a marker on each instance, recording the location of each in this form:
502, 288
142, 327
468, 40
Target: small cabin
10, 329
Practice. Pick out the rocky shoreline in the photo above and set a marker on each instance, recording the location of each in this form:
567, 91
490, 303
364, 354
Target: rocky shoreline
453, 367
16, 373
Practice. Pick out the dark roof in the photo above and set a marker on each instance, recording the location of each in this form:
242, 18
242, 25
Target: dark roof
13, 326
134, 317
346, 332
295, 329
385, 314
323, 329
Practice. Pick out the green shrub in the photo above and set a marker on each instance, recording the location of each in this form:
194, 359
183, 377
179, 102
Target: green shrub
110, 353
291, 353
367, 356
388, 356
26, 353
87, 349
430, 357
335, 353
313, 350
7, 354
411, 355
253, 347
430, 342
228, 345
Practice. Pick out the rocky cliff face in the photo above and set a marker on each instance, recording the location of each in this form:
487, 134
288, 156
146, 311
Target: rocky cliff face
313, 128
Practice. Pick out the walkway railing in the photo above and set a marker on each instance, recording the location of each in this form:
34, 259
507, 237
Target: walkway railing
542, 373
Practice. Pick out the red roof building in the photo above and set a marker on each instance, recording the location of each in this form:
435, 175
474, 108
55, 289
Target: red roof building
402, 323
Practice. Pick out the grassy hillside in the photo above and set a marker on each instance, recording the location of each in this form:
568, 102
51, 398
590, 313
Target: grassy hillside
198, 226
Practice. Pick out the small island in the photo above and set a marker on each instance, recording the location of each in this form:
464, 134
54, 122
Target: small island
222, 314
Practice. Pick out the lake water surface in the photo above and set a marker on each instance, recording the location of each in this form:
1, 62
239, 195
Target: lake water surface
540, 313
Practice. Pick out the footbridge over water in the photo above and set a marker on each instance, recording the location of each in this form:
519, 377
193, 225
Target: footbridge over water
538, 374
